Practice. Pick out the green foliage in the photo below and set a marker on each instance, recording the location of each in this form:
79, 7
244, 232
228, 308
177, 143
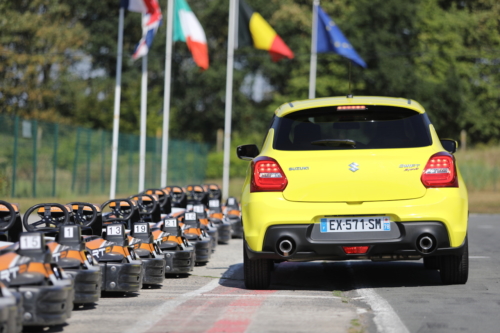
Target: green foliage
442, 53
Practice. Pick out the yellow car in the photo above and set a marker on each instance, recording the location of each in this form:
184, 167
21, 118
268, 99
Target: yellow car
345, 178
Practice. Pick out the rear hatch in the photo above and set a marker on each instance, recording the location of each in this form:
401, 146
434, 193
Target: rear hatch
374, 154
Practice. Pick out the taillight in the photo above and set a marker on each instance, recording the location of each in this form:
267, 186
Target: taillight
267, 175
440, 171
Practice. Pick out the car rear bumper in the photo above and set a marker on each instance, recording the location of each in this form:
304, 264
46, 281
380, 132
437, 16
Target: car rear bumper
307, 246
263, 210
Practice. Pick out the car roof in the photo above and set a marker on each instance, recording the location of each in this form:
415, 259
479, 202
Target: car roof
294, 106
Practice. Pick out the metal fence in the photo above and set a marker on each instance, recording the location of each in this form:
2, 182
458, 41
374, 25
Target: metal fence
40, 159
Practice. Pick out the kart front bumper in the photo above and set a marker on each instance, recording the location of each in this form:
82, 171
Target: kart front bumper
88, 284
153, 270
46, 305
121, 277
179, 262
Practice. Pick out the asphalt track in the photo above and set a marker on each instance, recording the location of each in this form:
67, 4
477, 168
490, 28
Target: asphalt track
355, 296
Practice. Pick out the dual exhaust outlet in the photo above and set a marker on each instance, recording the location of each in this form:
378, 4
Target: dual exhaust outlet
425, 244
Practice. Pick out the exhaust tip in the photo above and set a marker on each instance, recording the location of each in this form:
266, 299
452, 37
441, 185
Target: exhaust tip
285, 247
426, 244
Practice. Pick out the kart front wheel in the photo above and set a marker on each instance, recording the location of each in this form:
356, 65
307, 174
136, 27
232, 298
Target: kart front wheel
257, 272
455, 269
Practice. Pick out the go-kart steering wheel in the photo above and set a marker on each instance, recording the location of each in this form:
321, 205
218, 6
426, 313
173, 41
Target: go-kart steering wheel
80, 217
162, 200
116, 210
47, 222
143, 208
7, 221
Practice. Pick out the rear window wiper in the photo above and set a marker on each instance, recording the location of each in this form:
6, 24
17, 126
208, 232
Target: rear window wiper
334, 142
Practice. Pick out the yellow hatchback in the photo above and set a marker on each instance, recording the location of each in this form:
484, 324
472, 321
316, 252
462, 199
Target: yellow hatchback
347, 178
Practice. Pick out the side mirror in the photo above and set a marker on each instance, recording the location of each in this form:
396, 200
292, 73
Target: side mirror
449, 145
247, 152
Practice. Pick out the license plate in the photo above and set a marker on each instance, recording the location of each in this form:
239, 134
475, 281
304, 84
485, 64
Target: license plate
355, 224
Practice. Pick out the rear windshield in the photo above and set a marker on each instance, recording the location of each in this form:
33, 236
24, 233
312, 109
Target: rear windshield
374, 127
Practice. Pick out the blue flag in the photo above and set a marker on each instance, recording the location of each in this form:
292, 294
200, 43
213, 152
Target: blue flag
331, 39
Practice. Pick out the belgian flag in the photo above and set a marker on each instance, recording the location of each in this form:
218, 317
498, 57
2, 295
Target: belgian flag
254, 31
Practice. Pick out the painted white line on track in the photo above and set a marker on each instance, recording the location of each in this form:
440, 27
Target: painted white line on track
149, 320
271, 296
479, 257
385, 318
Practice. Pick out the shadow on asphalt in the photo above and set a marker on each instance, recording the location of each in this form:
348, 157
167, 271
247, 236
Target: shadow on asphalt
110, 294
342, 276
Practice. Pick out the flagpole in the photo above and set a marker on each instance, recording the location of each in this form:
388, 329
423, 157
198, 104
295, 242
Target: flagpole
166, 93
144, 103
229, 98
116, 112
314, 56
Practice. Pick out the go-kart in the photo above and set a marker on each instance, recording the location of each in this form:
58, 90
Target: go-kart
193, 232
153, 264
178, 254
68, 248
232, 215
121, 268
216, 217
208, 226
47, 292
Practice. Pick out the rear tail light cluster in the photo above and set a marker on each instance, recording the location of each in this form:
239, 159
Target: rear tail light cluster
267, 176
440, 171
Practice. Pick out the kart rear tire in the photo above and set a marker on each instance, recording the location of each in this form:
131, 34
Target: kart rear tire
455, 269
431, 262
257, 273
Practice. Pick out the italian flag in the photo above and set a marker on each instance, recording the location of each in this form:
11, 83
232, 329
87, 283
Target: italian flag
188, 29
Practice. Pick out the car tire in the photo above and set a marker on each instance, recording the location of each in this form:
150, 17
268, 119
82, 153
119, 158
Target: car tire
431, 262
455, 269
257, 273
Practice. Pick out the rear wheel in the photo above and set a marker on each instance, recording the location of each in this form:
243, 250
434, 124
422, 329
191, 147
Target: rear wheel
431, 262
257, 272
455, 269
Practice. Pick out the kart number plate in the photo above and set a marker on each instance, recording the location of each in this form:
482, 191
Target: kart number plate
68, 232
114, 230
230, 201
170, 223
140, 229
213, 203
30, 242
355, 224
190, 217
198, 208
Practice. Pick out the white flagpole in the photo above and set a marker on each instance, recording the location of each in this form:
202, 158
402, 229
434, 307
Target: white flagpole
116, 113
314, 56
166, 93
144, 104
229, 97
